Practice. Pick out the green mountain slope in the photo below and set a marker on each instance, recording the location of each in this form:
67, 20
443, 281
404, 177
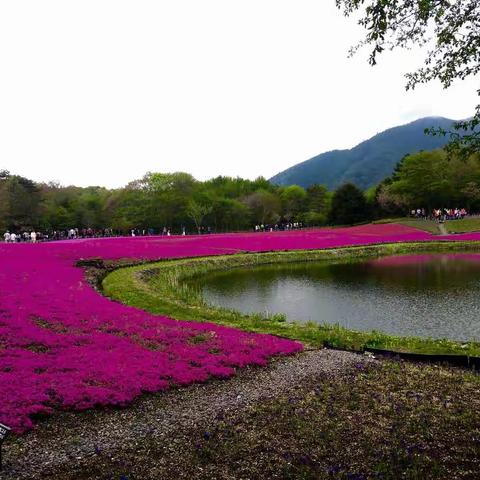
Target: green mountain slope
370, 161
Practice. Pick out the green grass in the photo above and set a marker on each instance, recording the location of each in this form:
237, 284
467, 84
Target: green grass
163, 288
388, 420
425, 225
396, 421
463, 226
452, 226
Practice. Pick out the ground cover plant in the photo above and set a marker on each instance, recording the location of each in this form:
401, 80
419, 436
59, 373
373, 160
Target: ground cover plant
64, 346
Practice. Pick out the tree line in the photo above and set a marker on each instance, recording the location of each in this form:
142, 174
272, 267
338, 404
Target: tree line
429, 180
158, 200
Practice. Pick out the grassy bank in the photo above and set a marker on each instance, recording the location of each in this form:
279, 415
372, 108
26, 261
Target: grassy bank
163, 288
425, 225
466, 225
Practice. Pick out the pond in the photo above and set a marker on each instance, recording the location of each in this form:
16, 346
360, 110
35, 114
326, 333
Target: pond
431, 295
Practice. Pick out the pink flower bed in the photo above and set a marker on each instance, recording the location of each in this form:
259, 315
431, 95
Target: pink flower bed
64, 346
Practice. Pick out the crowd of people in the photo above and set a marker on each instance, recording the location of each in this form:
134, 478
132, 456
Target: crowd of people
69, 234
449, 214
278, 227
440, 214
21, 237
33, 236
75, 233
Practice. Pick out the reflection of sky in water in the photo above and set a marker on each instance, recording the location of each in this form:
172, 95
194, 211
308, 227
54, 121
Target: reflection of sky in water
425, 295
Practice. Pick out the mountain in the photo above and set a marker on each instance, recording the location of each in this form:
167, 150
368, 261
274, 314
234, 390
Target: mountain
370, 161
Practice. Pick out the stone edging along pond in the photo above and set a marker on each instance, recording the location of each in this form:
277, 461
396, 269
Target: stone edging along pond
164, 288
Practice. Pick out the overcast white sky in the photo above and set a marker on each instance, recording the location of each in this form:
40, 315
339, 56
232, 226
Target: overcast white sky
98, 92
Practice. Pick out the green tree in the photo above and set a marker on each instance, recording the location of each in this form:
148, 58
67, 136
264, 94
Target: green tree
314, 219
293, 200
317, 198
349, 206
129, 208
197, 212
20, 202
317, 206
4, 199
264, 206
165, 197
228, 214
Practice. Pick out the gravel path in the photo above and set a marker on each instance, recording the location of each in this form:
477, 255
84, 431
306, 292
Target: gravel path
70, 442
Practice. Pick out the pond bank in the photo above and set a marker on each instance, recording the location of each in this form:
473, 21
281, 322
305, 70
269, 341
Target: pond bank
163, 288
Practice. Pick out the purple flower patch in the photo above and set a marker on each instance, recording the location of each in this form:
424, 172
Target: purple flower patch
64, 346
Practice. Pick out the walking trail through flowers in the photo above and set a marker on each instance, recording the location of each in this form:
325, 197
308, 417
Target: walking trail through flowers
64, 346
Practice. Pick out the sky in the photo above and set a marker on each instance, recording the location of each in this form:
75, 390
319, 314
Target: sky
98, 92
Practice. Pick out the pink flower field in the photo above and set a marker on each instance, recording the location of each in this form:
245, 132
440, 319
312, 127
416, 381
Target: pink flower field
64, 346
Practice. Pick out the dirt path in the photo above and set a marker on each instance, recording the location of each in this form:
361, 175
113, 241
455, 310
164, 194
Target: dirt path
66, 446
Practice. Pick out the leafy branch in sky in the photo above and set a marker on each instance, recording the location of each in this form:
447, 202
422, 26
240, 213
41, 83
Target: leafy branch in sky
450, 29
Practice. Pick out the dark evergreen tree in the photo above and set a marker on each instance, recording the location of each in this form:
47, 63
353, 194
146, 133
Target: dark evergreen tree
349, 206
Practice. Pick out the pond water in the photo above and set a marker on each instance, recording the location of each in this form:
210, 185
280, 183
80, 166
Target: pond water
432, 295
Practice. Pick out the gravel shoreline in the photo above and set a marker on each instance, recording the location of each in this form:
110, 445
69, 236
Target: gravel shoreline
68, 444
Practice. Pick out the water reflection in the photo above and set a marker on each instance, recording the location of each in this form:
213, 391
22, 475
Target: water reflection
425, 295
